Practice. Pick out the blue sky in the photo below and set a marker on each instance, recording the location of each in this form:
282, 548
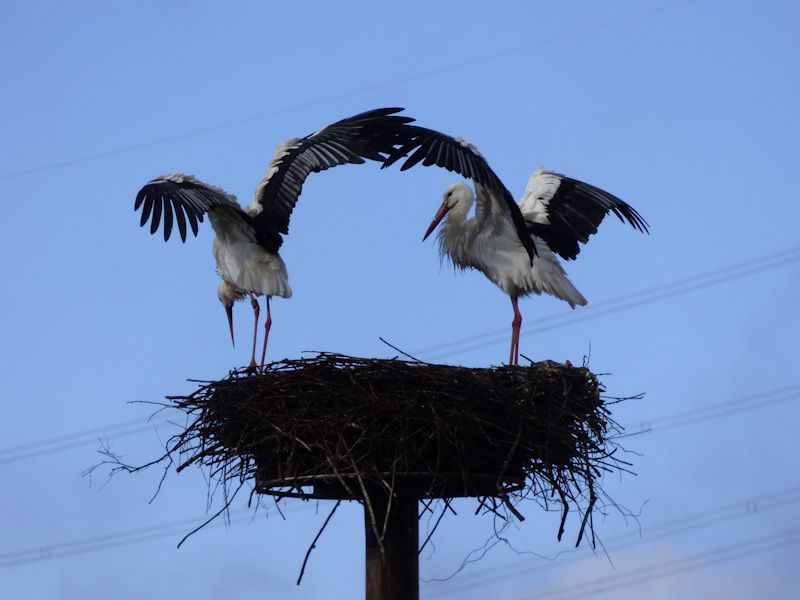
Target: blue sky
686, 110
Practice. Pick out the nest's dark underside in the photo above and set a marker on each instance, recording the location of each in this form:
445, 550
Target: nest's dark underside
334, 426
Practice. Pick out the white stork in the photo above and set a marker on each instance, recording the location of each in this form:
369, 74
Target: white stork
514, 245
247, 239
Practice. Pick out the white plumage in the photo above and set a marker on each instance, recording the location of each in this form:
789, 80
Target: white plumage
488, 242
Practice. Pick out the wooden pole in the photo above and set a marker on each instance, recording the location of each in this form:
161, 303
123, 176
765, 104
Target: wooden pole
396, 577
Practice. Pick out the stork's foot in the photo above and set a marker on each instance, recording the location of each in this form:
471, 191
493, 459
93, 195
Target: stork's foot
251, 369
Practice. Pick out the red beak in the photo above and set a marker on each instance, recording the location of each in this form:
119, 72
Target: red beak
437, 219
229, 311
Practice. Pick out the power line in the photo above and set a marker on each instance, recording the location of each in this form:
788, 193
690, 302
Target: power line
685, 524
368, 89
693, 522
721, 409
123, 538
605, 307
672, 568
76, 440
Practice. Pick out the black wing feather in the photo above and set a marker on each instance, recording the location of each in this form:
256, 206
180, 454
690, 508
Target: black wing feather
179, 216
167, 220
157, 206
147, 208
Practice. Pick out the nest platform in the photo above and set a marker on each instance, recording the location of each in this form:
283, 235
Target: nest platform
338, 427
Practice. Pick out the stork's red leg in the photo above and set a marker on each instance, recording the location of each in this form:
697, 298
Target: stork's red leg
256, 311
267, 325
515, 325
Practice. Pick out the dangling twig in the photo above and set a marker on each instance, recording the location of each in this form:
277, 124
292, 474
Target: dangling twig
314, 543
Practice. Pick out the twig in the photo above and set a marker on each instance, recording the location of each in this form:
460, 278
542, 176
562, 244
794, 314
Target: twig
393, 347
504, 497
218, 513
313, 544
435, 526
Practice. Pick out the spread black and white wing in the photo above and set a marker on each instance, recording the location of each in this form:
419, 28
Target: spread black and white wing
565, 212
372, 135
181, 198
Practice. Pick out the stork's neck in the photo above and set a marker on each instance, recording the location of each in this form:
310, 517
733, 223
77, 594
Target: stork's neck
464, 198
457, 216
455, 233
229, 293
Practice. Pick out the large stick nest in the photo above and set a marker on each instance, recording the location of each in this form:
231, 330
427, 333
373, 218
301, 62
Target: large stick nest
334, 426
